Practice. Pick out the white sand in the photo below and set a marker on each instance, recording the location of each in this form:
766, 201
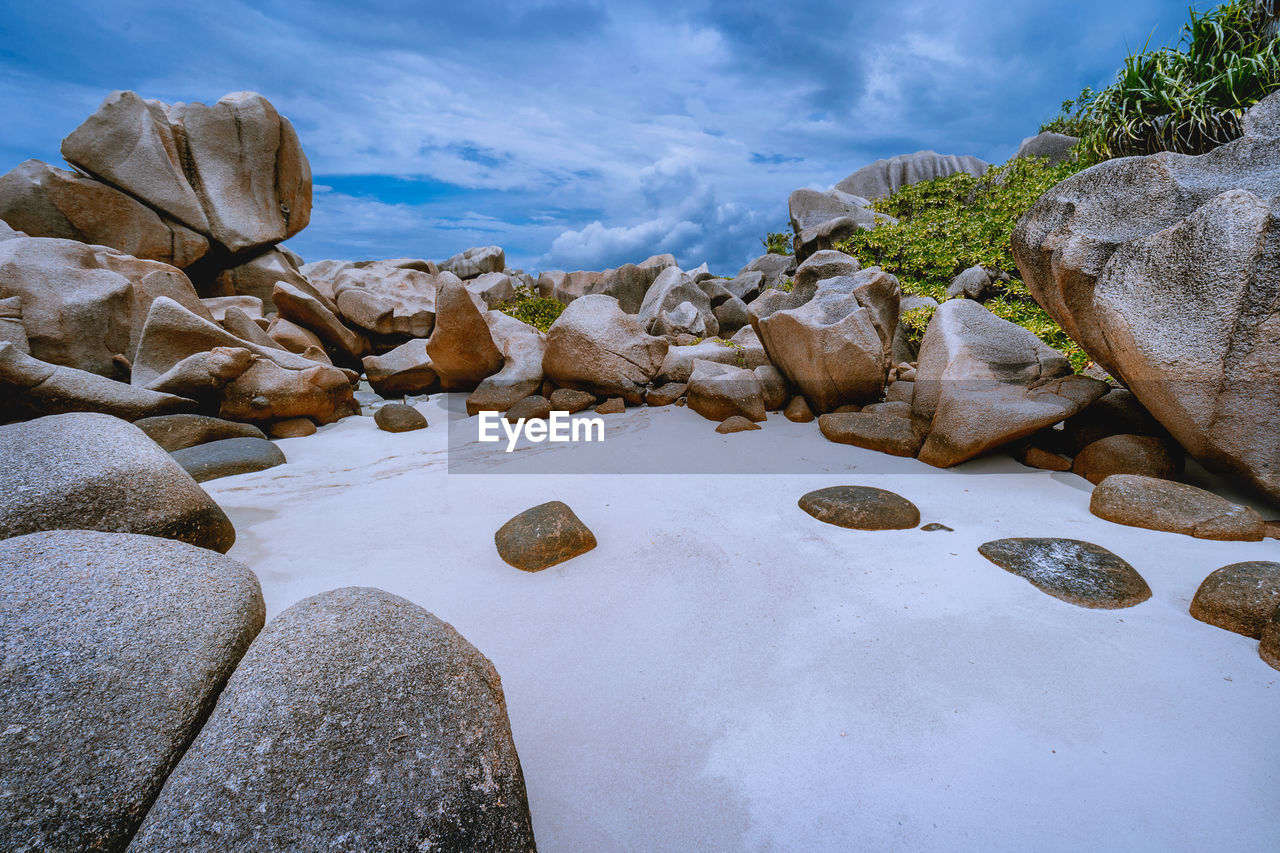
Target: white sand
726, 673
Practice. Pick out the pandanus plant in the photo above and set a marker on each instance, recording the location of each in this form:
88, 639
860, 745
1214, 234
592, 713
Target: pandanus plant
1192, 98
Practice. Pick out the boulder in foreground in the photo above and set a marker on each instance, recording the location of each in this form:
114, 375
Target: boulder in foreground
228, 457
116, 646
861, 508
1156, 504
356, 721
96, 472
543, 536
1240, 597
1076, 572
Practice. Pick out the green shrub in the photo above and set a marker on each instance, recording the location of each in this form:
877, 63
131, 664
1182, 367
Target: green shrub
529, 307
777, 242
1190, 98
915, 321
1074, 119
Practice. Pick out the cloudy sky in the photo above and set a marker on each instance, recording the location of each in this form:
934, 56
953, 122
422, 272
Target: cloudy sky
576, 134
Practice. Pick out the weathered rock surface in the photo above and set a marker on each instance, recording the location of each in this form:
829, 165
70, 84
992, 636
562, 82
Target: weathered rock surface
664, 298
1269, 647
983, 382
1076, 572
533, 407
774, 270
1127, 454
227, 457
269, 392
475, 262
861, 508
810, 208
233, 171
1166, 270
386, 300
523, 348
798, 410
461, 348
356, 721
1173, 507
1055, 147
1117, 412
677, 366
204, 375
1240, 597
720, 391
259, 275
835, 347
43, 201
292, 428
881, 432
398, 417
33, 388
542, 537
116, 646
736, 423
571, 401
174, 432
309, 312
885, 177
405, 370
594, 346
96, 472
96, 311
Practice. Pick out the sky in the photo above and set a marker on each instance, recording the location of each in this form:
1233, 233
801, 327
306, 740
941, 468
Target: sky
576, 134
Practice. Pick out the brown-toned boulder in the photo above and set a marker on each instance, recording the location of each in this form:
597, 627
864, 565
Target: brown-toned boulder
388, 300
1173, 507
405, 370
571, 401
174, 432
258, 277
798, 410
861, 508
1240, 597
1163, 268
543, 536
983, 382
720, 391
461, 348
32, 388
1127, 454
523, 348
310, 313
269, 392
535, 407
744, 351
628, 284
96, 310
736, 423
398, 417
43, 201
1269, 647
885, 433
95, 472
595, 346
233, 171
835, 347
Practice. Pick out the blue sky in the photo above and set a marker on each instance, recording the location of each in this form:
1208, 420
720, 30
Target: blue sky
576, 134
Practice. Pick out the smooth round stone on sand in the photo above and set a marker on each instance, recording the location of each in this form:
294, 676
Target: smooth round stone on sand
399, 417
736, 423
228, 457
1269, 648
1240, 597
1076, 572
543, 536
861, 508
293, 428
1173, 507
534, 408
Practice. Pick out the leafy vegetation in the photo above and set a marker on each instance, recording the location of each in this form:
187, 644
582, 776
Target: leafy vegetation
915, 321
949, 224
1074, 118
777, 243
1189, 98
529, 307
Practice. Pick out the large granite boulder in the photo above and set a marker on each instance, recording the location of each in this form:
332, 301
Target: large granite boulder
405, 370
810, 208
720, 391
835, 348
661, 308
885, 177
1166, 270
774, 269
983, 382
228, 457
311, 313
595, 346
95, 472
43, 201
84, 306
1054, 147
628, 284
387, 300
233, 171
1156, 504
32, 388
356, 721
115, 648
1240, 597
461, 347
475, 262
744, 350
258, 277
523, 347
174, 432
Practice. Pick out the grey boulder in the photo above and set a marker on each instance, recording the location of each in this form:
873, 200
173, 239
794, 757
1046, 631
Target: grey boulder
356, 721
228, 457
